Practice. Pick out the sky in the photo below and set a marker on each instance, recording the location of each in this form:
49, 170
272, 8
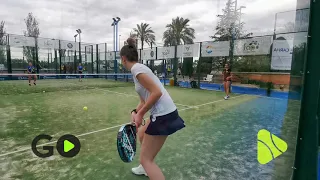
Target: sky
60, 18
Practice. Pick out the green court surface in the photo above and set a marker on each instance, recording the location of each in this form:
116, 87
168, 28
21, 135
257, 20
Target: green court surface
219, 141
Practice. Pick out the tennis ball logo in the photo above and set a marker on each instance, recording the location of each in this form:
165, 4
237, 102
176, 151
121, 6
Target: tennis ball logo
269, 146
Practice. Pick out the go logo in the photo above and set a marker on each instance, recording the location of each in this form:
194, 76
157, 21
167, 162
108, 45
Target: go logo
67, 146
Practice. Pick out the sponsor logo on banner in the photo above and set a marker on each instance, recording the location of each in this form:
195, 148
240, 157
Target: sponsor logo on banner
251, 47
69, 45
187, 51
166, 52
22, 78
152, 53
212, 49
71, 77
49, 77
287, 50
209, 49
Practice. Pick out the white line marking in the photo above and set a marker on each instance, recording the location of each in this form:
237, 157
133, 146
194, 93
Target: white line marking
192, 107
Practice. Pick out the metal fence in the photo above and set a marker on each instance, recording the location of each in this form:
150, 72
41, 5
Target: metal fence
199, 62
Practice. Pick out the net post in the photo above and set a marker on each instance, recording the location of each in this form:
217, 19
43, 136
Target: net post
199, 65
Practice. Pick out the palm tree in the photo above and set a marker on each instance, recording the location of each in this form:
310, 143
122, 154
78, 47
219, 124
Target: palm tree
145, 33
178, 32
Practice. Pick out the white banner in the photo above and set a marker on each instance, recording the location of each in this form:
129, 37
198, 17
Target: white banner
68, 45
148, 54
281, 54
253, 46
110, 56
165, 52
21, 41
213, 49
188, 50
48, 43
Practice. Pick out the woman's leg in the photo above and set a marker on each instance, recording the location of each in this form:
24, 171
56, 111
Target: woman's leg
29, 78
34, 79
139, 170
150, 147
141, 131
227, 88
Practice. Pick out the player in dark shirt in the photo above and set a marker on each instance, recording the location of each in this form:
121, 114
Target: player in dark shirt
226, 80
80, 69
31, 70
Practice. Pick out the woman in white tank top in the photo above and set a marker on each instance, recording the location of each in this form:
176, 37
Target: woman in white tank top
164, 119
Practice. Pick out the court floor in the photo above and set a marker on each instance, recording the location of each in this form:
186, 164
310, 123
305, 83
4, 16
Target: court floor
219, 141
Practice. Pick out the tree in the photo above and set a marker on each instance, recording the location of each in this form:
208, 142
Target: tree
178, 32
32, 31
229, 27
144, 33
2, 42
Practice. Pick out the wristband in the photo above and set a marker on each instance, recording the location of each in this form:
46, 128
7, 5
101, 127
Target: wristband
135, 110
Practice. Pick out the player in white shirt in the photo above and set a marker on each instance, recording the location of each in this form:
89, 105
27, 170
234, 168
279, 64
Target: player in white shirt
164, 119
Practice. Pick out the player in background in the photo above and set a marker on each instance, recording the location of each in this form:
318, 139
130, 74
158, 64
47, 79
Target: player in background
227, 80
31, 70
80, 69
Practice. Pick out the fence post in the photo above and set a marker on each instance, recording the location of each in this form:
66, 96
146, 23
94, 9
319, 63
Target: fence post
56, 60
9, 64
306, 159
97, 59
60, 53
115, 65
105, 58
92, 67
37, 56
199, 65
175, 66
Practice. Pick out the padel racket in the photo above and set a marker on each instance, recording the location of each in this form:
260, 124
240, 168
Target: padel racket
126, 142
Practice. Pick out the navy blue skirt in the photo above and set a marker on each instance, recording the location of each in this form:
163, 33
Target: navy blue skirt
165, 125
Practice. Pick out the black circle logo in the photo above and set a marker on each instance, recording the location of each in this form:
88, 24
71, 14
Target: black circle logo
152, 53
69, 45
68, 146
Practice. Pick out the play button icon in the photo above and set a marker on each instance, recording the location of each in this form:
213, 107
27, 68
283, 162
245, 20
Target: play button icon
68, 146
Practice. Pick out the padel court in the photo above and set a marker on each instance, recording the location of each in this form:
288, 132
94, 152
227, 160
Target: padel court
219, 141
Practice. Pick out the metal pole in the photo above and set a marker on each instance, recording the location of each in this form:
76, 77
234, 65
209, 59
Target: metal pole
75, 56
117, 36
275, 26
80, 57
114, 39
119, 42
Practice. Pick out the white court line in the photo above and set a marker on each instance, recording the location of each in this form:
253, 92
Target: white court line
130, 95
92, 132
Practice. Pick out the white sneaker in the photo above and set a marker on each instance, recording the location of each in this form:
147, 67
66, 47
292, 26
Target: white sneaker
226, 97
139, 170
